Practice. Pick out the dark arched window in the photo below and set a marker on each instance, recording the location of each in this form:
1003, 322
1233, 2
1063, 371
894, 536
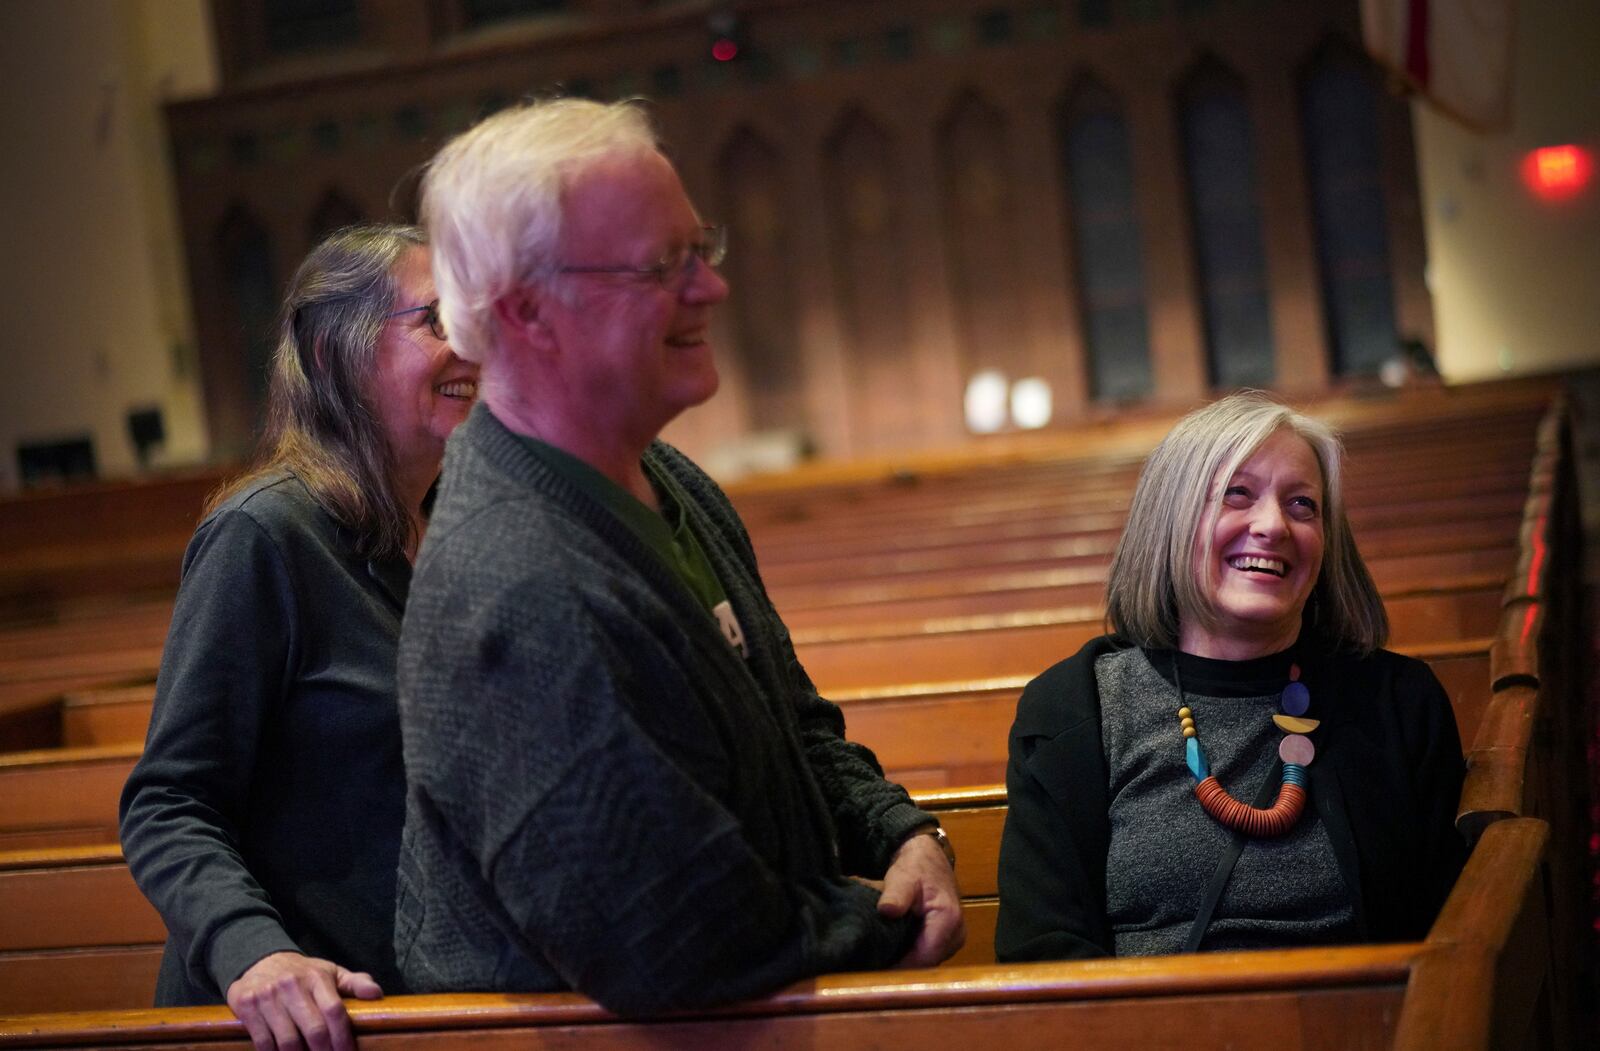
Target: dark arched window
487, 12
307, 25
332, 212
1105, 243
245, 251
1224, 203
1338, 106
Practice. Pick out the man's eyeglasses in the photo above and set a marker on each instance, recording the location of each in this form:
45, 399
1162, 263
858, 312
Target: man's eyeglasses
435, 322
672, 272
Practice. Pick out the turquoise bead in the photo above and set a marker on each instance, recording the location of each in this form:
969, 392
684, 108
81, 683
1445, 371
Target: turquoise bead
1196, 758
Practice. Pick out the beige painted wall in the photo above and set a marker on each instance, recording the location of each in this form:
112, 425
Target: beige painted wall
1516, 281
96, 317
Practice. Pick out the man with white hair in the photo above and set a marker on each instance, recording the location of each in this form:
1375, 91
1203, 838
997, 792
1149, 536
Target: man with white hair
620, 778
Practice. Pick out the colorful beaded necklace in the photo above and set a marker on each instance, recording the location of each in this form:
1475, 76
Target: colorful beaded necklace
1296, 751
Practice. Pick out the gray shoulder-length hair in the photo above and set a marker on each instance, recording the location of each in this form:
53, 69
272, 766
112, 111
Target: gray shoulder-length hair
321, 425
1156, 580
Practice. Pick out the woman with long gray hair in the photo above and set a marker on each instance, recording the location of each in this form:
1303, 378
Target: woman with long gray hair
1242, 765
263, 820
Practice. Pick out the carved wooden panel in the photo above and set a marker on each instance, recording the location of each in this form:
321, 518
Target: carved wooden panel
978, 202
1224, 200
1338, 100
929, 215
245, 262
1105, 240
761, 268
332, 212
865, 220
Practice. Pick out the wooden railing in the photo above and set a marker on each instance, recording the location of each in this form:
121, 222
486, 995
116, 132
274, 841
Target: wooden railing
1404, 996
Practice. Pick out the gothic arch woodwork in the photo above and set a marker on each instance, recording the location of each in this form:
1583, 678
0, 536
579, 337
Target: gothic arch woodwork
978, 204
761, 267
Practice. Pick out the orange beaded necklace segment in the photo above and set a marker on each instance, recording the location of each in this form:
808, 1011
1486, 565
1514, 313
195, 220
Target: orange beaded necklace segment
1296, 751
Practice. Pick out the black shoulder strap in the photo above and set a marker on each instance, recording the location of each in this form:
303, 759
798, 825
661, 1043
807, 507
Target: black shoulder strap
1230, 855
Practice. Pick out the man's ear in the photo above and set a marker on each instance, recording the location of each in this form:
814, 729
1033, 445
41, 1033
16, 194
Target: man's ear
518, 314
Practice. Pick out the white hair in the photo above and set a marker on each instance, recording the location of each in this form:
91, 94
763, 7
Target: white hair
492, 202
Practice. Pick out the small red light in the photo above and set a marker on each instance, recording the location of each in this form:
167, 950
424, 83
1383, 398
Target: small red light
1557, 172
724, 50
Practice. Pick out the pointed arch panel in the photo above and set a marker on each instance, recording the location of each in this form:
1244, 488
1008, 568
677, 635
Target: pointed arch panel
862, 187
1106, 243
244, 250
761, 267
979, 209
1339, 115
1225, 210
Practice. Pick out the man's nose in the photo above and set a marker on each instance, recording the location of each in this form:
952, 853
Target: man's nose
706, 284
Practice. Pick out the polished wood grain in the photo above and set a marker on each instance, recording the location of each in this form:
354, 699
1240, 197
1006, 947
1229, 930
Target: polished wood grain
1168, 1001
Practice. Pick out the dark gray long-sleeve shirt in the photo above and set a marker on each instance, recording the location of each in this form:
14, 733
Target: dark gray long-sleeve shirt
265, 813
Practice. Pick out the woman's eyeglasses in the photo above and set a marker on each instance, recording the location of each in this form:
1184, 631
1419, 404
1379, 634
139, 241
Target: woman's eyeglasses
435, 322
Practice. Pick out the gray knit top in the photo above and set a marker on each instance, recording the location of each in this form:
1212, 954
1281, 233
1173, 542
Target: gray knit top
1164, 847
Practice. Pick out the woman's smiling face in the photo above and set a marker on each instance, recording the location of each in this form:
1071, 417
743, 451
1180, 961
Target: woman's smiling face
1266, 553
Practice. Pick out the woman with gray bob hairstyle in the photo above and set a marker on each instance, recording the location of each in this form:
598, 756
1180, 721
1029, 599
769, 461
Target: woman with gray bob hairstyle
1153, 583
263, 819
1241, 765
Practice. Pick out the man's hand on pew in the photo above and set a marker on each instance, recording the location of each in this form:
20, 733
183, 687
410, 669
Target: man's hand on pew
287, 1000
921, 881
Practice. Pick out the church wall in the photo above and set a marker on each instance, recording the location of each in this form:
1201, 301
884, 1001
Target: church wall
1516, 280
116, 299
96, 316
895, 170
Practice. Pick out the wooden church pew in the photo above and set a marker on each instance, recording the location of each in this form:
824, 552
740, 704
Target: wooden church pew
825, 566
1440, 994
1422, 446
68, 797
1401, 571
1467, 606
126, 625
76, 934
848, 537
968, 837
1464, 608
83, 545
92, 718
1258, 1001
973, 817
61, 797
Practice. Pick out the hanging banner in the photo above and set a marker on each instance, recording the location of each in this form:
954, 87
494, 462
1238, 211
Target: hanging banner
1455, 53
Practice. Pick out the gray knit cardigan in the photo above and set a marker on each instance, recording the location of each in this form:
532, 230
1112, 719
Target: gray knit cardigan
602, 795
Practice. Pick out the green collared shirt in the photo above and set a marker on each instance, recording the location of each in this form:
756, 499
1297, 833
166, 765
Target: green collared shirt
667, 534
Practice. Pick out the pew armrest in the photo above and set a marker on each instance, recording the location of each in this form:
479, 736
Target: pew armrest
1477, 983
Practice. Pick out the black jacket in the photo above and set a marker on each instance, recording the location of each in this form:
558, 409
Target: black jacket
1386, 783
